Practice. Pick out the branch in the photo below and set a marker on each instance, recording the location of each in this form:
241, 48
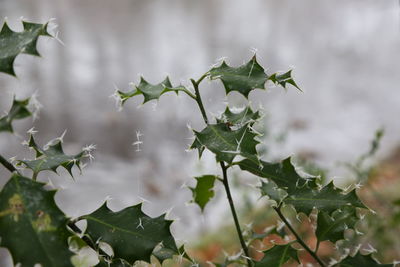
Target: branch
7, 164
298, 238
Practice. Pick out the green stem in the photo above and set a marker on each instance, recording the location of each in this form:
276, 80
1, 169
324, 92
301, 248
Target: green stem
7, 164
298, 238
225, 176
234, 214
34, 176
198, 99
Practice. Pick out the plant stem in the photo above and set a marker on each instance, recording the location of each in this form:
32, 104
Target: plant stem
34, 176
198, 99
234, 214
225, 176
298, 238
7, 164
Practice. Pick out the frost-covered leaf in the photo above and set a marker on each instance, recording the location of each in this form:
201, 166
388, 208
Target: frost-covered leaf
270, 189
19, 110
85, 257
14, 43
361, 260
52, 157
114, 263
332, 227
242, 79
226, 143
277, 256
283, 174
32, 227
203, 192
283, 79
240, 118
327, 199
132, 234
150, 91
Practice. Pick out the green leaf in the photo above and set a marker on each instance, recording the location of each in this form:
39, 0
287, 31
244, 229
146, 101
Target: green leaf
277, 256
243, 117
332, 227
132, 234
52, 157
203, 192
327, 199
18, 111
226, 143
14, 43
270, 189
283, 174
32, 227
242, 79
361, 260
283, 79
150, 91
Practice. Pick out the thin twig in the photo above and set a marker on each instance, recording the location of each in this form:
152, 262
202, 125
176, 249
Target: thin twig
298, 238
7, 164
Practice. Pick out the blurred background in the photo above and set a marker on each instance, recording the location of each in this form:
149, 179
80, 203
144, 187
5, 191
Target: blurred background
344, 55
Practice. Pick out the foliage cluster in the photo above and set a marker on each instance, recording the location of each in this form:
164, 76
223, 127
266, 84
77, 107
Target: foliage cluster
36, 231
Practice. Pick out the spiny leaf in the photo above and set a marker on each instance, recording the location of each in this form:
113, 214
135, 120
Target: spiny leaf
283, 79
327, 199
132, 234
52, 157
203, 192
242, 79
18, 111
243, 117
270, 189
283, 174
332, 227
277, 256
226, 143
14, 43
32, 227
150, 91
360, 260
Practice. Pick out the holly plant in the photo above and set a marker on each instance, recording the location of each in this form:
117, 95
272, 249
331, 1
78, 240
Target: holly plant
37, 232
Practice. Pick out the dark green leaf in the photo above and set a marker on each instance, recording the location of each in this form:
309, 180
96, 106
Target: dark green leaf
361, 260
283, 174
270, 189
243, 79
277, 256
283, 79
327, 199
14, 43
132, 234
52, 157
150, 91
18, 111
332, 227
203, 192
32, 227
226, 143
240, 118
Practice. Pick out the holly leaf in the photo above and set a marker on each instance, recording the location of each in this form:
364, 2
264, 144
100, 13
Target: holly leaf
226, 143
52, 157
277, 256
19, 110
243, 117
203, 192
242, 79
32, 227
270, 189
283, 174
150, 91
327, 199
283, 79
361, 260
14, 43
332, 227
132, 234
